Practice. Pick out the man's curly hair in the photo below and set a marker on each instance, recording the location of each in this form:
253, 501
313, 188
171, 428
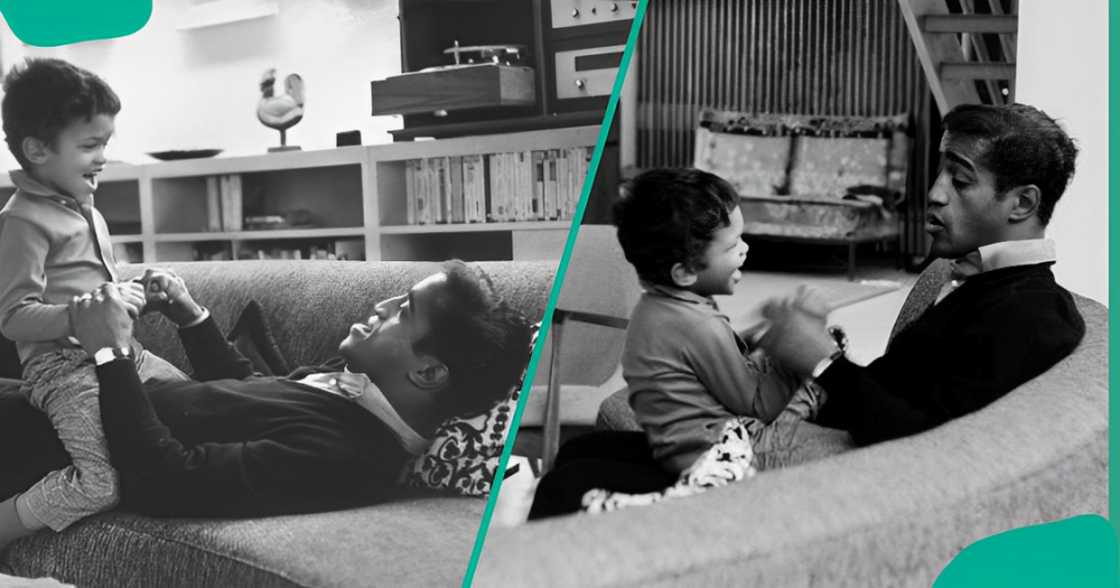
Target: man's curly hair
1023, 145
668, 216
482, 340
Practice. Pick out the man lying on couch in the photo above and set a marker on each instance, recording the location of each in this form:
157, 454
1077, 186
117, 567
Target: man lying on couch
234, 444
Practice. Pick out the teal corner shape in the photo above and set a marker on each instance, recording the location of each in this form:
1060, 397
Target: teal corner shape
1080, 551
50, 23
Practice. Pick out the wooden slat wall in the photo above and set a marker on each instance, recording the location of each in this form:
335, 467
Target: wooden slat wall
827, 57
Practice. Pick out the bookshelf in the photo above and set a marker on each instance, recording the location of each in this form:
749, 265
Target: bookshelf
349, 201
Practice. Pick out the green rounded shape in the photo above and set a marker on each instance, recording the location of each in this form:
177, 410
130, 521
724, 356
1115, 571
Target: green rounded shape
1080, 551
49, 23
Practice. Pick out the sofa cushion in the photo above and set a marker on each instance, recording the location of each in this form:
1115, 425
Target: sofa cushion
465, 452
422, 541
753, 165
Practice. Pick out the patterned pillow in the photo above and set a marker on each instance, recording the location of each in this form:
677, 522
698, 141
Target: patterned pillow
465, 452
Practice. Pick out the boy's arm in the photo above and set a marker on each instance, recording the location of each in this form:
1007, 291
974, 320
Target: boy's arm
748, 386
24, 316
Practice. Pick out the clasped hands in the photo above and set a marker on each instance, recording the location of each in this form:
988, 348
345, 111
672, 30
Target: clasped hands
104, 317
794, 331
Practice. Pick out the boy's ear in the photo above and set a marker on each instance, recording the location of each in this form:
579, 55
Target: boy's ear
35, 150
682, 276
1024, 202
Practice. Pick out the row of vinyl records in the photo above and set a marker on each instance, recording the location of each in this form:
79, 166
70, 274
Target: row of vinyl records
498, 187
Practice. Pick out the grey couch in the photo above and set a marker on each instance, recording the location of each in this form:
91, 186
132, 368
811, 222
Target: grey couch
422, 540
893, 514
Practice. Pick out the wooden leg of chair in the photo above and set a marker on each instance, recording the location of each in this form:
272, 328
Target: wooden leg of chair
552, 398
852, 261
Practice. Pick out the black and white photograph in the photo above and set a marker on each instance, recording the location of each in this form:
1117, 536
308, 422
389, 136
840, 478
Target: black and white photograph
841, 316
270, 274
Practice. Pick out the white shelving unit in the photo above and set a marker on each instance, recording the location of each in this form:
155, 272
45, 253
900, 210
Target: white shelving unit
158, 211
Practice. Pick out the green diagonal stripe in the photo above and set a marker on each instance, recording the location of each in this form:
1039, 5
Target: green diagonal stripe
557, 282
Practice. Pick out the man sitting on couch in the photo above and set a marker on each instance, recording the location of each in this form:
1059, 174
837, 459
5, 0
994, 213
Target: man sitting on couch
234, 444
1002, 320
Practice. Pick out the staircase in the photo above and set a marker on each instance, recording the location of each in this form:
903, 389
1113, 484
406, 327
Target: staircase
966, 48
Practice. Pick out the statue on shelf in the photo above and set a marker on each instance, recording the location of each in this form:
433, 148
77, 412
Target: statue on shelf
282, 111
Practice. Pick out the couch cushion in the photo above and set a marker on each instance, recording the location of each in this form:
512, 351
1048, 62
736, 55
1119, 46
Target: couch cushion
465, 452
311, 304
421, 542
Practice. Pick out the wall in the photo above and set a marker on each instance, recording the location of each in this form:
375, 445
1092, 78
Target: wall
1063, 69
198, 88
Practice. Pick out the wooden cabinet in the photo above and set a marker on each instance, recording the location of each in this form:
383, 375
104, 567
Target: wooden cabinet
348, 201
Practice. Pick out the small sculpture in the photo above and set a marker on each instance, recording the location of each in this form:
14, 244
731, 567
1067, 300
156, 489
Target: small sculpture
283, 111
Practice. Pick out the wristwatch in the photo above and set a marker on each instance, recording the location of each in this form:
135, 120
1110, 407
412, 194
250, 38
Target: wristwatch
106, 354
841, 339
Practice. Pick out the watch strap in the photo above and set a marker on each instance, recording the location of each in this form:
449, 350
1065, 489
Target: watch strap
106, 354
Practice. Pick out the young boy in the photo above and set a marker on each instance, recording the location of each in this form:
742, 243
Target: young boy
688, 371
54, 246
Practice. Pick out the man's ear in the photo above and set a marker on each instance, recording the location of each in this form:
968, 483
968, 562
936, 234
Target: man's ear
682, 276
1024, 202
35, 150
432, 375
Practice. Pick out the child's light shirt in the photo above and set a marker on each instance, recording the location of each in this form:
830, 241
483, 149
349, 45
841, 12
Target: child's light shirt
53, 247
688, 372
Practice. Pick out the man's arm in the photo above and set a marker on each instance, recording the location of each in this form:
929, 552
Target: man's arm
921, 385
24, 316
1012, 343
212, 357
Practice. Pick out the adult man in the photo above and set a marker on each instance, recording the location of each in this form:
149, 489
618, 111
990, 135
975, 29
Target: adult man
1002, 321
233, 444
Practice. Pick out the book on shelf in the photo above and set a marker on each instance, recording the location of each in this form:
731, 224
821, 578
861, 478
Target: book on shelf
514, 186
224, 203
213, 205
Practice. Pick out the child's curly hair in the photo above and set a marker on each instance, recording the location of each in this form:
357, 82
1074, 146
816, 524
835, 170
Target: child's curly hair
668, 216
43, 95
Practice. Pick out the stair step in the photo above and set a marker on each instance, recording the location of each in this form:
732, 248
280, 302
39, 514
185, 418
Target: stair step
976, 71
970, 23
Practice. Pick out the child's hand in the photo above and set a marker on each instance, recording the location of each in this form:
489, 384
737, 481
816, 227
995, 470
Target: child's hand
132, 294
812, 301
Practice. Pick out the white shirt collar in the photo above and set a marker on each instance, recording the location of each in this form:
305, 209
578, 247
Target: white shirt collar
358, 388
1013, 253
1005, 254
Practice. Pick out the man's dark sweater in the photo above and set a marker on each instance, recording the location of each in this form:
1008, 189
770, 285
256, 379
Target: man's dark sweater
234, 444
993, 333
